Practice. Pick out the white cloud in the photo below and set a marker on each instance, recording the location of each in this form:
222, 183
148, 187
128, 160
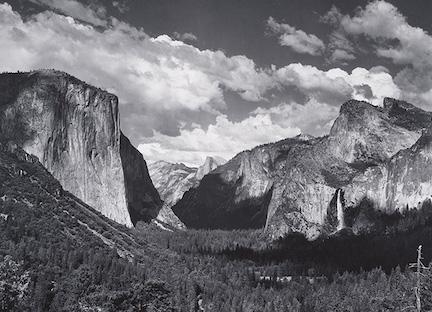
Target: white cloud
95, 14
160, 74
336, 86
161, 80
296, 39
314, 82
313, 117
398, 41
224, 138
380, 84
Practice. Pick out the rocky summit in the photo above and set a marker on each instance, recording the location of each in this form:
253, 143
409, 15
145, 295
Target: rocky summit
74, 130
173, 180
305, 184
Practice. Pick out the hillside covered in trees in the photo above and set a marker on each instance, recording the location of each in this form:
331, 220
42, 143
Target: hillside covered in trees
58, 254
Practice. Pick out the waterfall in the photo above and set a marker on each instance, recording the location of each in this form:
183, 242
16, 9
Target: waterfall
340, 212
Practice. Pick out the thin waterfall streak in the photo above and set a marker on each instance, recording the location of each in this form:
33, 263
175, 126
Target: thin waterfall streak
340, 213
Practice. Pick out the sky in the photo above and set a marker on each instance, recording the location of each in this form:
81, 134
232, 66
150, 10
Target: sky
213, 78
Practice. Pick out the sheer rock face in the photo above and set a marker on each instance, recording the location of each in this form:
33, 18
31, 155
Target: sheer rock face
142, 197
404, 182
74, 130
173, 180
291, 185
366, 133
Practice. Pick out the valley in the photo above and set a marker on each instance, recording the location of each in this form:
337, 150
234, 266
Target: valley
303, 224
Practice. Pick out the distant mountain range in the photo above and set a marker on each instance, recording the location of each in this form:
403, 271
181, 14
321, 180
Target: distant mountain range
173, 180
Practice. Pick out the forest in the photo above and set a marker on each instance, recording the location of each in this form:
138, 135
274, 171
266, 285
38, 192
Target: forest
57, 254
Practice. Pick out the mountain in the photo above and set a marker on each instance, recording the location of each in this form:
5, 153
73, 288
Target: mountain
210, 164
295, 185
173, 180
74, 130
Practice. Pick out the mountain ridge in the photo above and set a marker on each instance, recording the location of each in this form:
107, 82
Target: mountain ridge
302, 177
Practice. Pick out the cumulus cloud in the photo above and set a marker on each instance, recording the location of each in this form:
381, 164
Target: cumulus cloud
315, 83
161, 74
296, 39
165, 84
185, 36
368, 85
395, 39
313, 117
95, 14
224, 138
336, 86
326, 90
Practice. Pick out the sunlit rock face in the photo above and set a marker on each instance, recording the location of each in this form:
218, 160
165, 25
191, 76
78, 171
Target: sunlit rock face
404, 182
364, 133
173, 180
74, 130
292, 185
210, 164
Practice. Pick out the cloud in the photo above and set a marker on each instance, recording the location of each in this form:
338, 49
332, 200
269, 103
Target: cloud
395, 39
95, 14
296, 39
185, 36
158, 74
164, 85
315, 83
313, 117
368, 85
339, 55
327, 90
340, 48
224, 138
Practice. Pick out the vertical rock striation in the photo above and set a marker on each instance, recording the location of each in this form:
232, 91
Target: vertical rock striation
74, 130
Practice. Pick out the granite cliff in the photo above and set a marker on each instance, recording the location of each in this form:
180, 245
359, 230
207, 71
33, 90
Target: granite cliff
295, 185
74, 130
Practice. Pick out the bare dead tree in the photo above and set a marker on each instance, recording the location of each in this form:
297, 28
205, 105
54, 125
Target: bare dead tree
421, 273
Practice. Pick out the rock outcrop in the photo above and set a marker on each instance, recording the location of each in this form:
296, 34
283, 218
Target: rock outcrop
74, 130
173, 180
295, 185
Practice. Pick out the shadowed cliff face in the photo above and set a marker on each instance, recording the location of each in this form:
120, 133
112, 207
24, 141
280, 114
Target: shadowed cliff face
364, 155
74, 130
141, 196
245, 213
